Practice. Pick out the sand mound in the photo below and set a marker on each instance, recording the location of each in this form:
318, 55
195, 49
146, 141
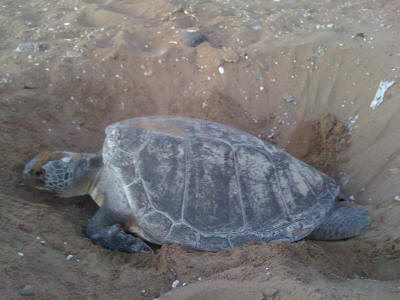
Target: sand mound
297, 73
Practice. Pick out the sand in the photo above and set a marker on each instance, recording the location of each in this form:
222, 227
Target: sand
301, 74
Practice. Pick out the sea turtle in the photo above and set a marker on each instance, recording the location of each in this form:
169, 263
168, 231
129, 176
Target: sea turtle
196, 183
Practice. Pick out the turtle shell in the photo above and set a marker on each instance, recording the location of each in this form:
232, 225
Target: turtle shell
210, 186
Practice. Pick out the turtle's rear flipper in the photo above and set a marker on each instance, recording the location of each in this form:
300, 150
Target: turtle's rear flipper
341, 223
103, 230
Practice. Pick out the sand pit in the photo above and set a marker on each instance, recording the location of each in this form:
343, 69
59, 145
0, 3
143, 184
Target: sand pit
297, 73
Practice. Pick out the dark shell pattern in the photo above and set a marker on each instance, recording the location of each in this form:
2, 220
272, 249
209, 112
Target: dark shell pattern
210, 186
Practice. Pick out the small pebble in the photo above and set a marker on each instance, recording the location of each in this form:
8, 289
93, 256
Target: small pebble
72, 53
29, 86
20, 254
397, 197
221, 70
36, 47
69, 257
320, 52
289, 99
28, 290
193, 38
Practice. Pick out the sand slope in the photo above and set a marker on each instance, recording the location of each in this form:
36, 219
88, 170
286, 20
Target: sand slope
301, 74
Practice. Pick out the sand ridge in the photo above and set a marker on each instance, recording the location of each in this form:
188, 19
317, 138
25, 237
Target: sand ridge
275, 69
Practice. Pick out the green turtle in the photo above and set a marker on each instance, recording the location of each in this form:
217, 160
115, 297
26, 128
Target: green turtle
196, 183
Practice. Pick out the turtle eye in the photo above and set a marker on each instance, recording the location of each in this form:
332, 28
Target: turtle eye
39, 173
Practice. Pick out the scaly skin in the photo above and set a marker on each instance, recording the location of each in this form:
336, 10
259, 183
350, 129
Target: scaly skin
342, 222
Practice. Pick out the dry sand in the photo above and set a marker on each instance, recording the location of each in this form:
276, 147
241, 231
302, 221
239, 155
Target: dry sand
301, 74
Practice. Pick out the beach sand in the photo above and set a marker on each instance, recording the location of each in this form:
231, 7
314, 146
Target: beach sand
300, 74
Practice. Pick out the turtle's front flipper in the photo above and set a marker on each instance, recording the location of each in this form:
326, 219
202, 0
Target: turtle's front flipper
341, 223
103, 229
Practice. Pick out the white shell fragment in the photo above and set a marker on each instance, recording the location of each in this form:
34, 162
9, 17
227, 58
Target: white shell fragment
352, 122
221, 70
380, 93
69, 257
175, 284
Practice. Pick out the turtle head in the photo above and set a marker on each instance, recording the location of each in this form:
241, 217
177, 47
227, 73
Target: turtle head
66, 174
